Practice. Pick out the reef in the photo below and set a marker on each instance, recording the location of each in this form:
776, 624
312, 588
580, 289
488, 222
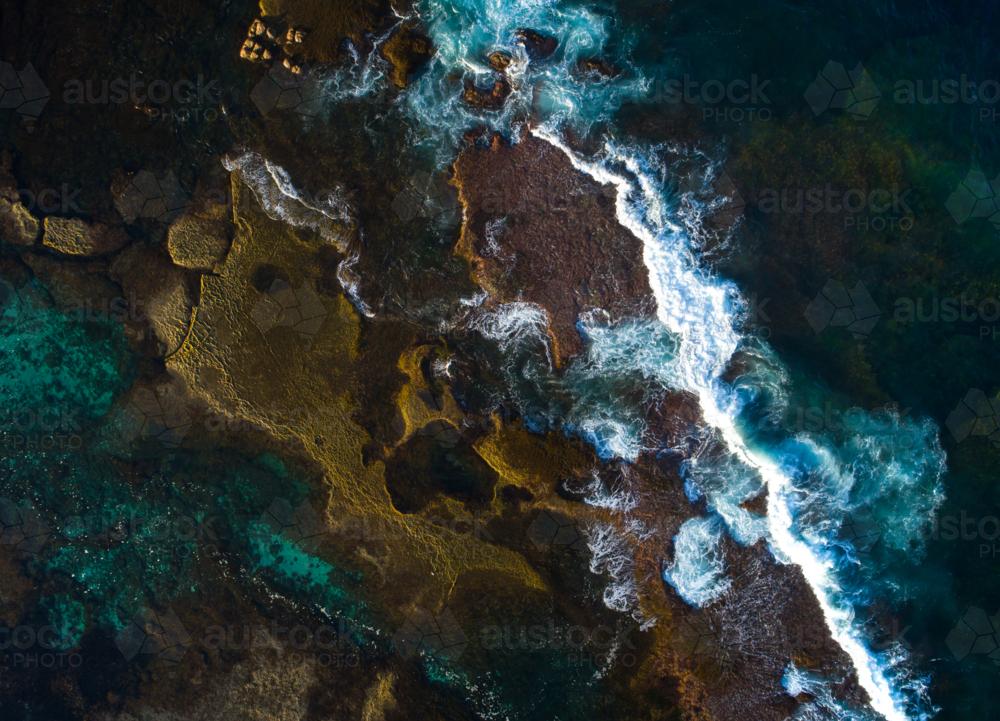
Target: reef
538, 230
311, 385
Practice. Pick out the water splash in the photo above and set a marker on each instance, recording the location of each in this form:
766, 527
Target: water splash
701, 309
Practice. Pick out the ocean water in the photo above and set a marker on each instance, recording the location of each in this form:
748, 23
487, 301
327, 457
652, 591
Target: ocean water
894, 469
859, 506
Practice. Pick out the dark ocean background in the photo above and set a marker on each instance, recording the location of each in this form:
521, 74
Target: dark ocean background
911, 590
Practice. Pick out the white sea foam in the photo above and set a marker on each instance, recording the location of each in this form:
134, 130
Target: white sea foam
617, 494
612, 554
701, 309
350, 280
699, 569
328, 213
823, 707
511, 324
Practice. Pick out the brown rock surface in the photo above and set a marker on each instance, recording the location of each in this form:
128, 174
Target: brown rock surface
324, 25
17, 224
757, 504
199, 242
500, 61
73, 236
406, 50
493, 97
538, 230
538, 46
158, 292
600, 67
738, 647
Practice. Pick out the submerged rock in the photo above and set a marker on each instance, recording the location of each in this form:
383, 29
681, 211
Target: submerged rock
538, 46
487, 98
598, 66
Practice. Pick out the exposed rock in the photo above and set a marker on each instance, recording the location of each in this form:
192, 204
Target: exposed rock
198, 242
500, 61
73, 236
295, 36
322, 28
539, 230
487, 98
158, 292
739, 646
674, 419
597, 66
538, 46
757, 504
17, 224
406, 50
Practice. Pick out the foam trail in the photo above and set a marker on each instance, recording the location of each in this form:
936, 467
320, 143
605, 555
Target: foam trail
328, 214
698, 571
700, 309
512, 323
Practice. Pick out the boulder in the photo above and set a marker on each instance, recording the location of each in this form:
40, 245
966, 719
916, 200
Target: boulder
500, 61
197, 242
406, 50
